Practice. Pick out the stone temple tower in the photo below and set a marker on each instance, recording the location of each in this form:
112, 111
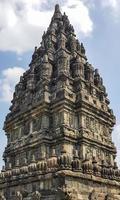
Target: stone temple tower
59, 126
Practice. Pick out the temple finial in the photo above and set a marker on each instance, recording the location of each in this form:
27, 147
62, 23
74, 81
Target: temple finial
57, 8
57, 13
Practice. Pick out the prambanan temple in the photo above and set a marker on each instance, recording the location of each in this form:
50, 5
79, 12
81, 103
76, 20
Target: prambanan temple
59, 142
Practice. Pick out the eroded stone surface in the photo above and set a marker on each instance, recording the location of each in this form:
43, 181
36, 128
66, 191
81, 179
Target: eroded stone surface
59, 126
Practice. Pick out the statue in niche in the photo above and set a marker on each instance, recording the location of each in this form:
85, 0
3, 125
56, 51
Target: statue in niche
108, 159
93, 195
89, 152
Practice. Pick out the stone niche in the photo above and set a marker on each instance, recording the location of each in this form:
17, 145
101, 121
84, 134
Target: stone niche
45, 122
71, 120
58, 119
15, 134
33, 125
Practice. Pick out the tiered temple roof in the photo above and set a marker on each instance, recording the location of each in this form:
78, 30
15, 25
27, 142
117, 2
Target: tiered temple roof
60, 124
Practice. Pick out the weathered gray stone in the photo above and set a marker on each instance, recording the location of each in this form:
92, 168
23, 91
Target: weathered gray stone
59, 126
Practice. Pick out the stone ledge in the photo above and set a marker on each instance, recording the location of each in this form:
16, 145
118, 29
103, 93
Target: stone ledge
65, 173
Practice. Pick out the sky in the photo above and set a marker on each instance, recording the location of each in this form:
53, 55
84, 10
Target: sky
97, 25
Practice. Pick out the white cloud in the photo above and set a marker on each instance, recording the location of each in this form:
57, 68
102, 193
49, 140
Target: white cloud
111, 7
116, 139
22, 22
111, 4
9, 78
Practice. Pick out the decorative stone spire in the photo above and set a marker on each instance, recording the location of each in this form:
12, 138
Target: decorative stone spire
76, 163
59, 107
57, 8
57, 13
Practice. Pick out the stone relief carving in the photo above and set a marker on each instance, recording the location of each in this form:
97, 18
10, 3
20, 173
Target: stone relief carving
99, 154
19, 196
36, 195
89, 152
57, 118
37, 123
110, 197
70, 120
107, 158
93, 195
15, 134
68, 193
99, 131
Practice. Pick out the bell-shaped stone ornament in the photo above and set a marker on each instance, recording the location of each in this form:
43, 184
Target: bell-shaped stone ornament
76, 163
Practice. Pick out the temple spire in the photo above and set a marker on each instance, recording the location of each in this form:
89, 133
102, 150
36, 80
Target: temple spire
57, 8
59, 108
57, 13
